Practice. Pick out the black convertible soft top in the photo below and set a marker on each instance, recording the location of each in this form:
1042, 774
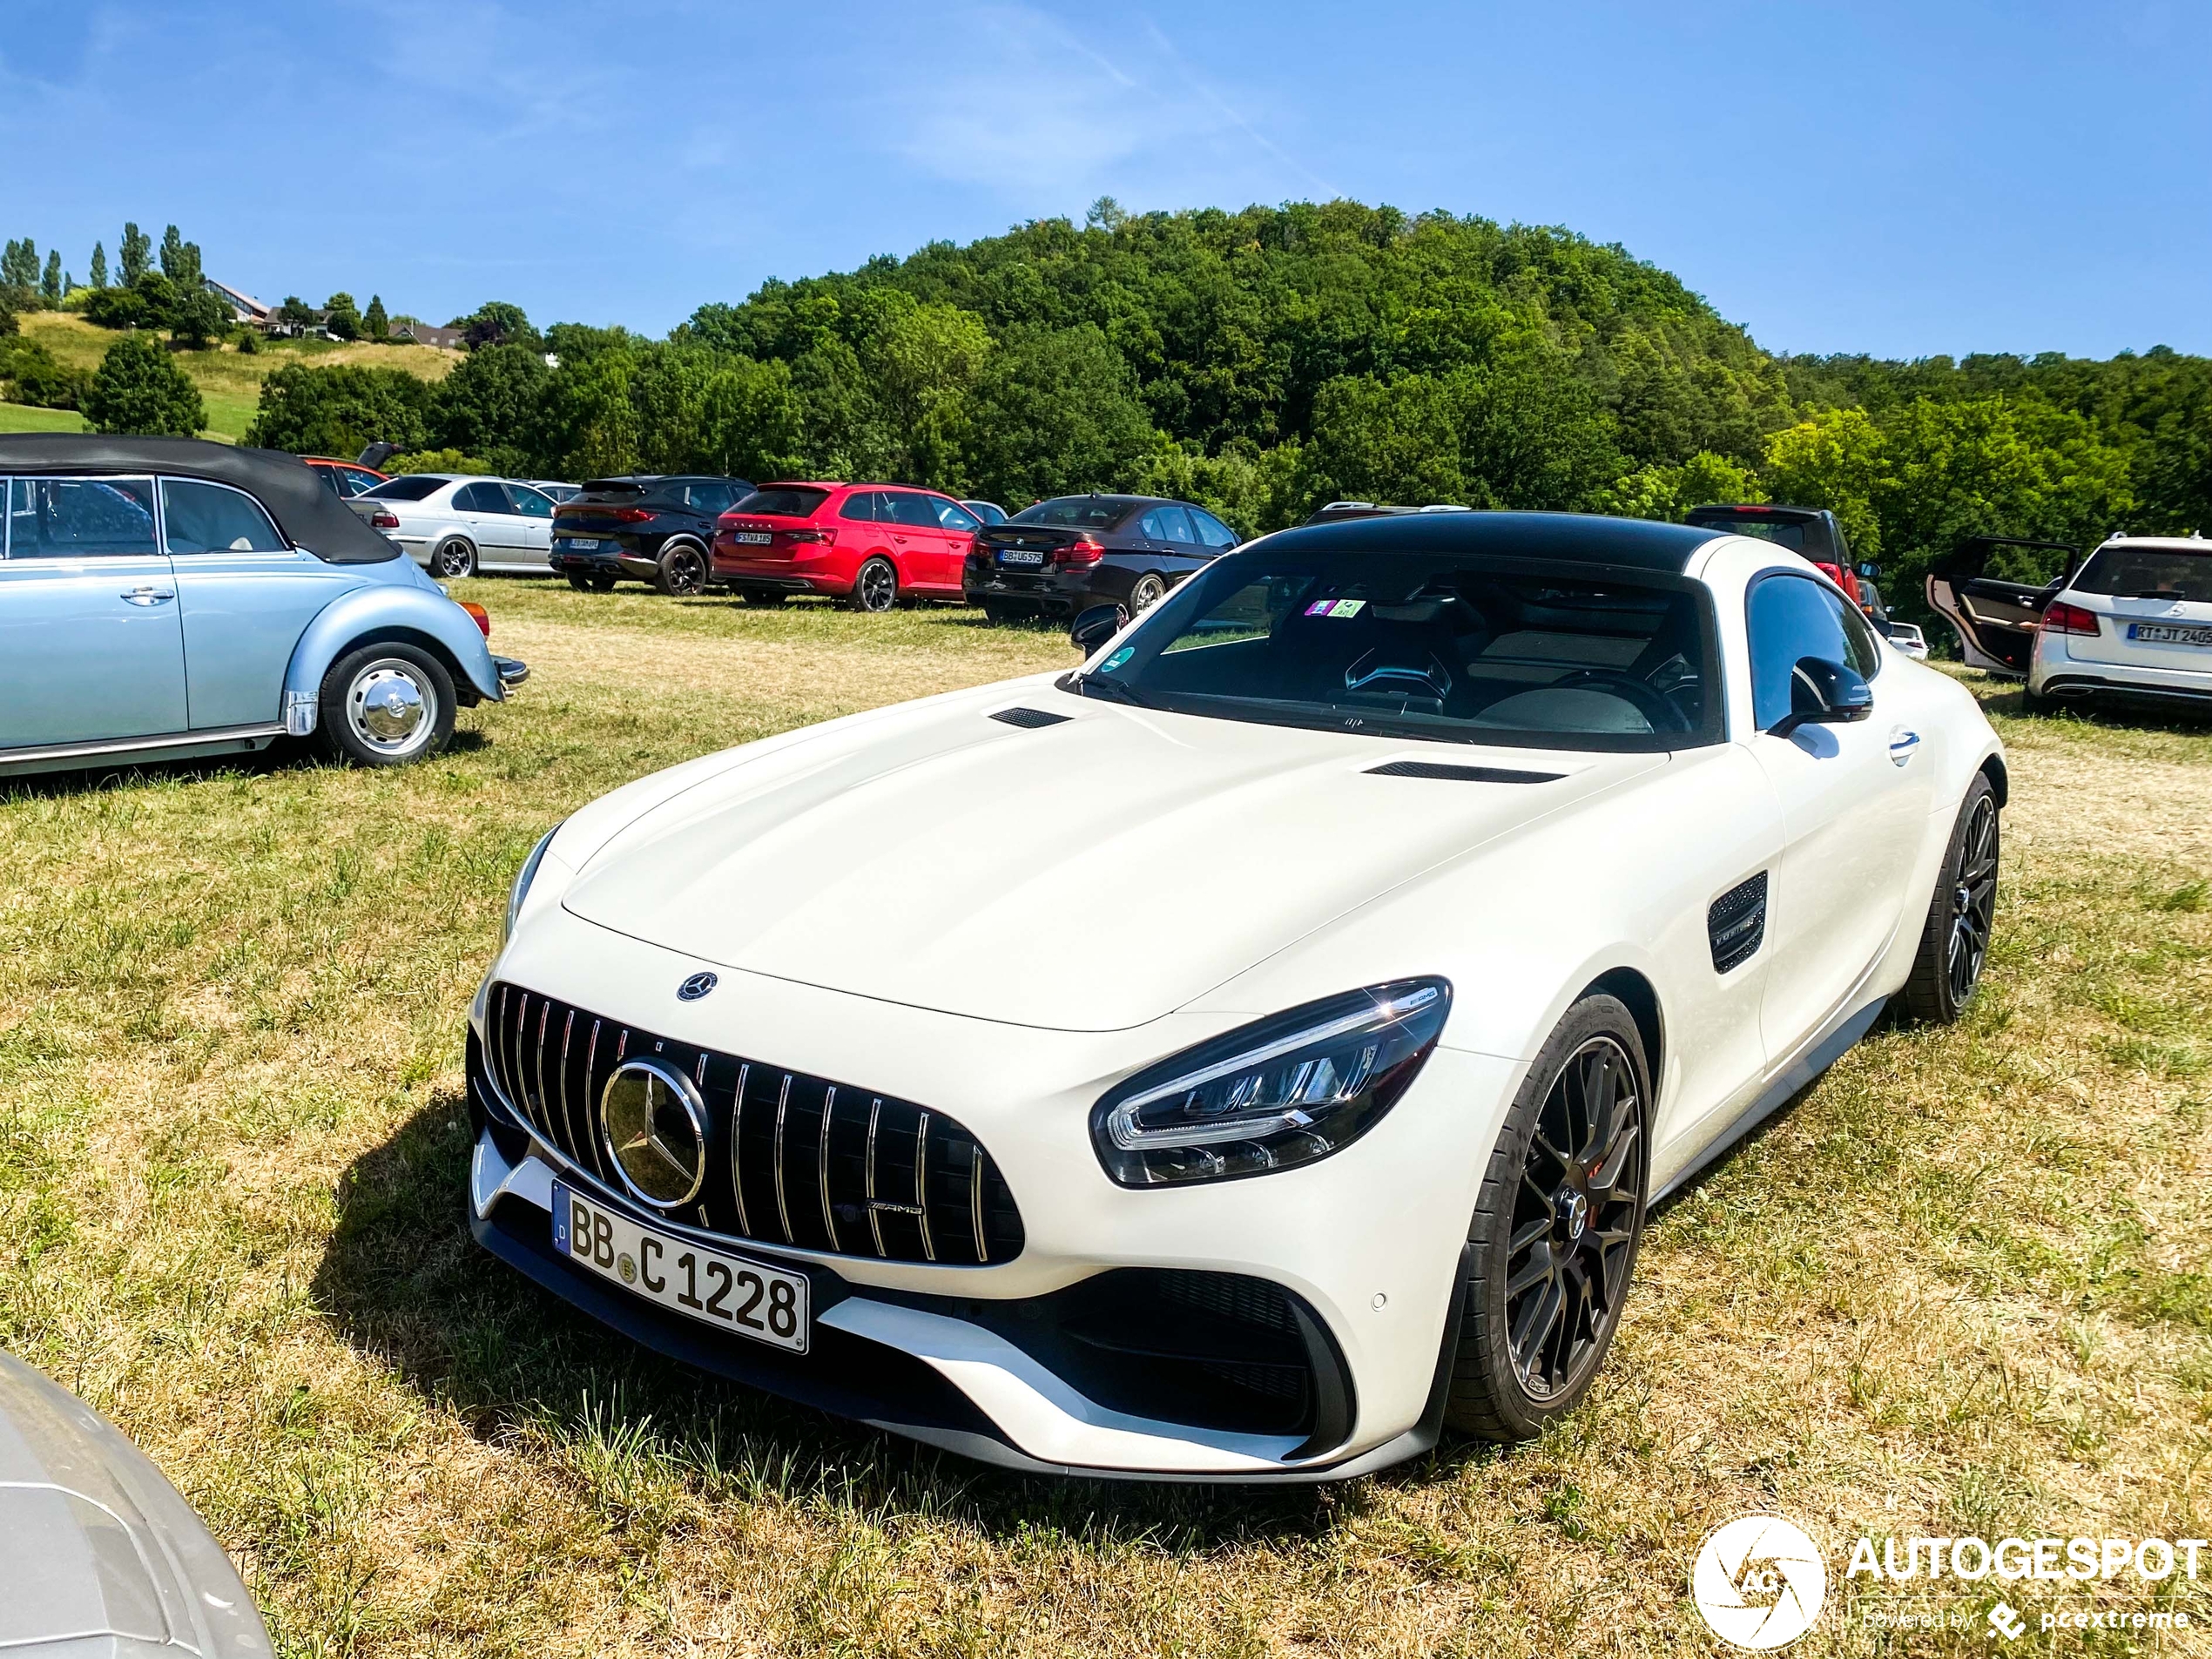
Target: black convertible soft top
306, 509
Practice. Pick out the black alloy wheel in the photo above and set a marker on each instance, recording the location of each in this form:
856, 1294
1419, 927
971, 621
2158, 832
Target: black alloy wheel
453, 560
1955, 941
876, 588
682, 570
1554, 1242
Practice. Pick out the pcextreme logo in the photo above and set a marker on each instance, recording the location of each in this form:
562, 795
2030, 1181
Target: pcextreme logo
1759, 1582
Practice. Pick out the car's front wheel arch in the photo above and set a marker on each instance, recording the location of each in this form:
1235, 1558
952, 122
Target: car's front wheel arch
464, 692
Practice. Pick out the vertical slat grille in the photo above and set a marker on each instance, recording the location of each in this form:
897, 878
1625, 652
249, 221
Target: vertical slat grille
792, 1159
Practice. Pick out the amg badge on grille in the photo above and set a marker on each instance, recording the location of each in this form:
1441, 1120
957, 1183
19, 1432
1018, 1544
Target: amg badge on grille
696, 986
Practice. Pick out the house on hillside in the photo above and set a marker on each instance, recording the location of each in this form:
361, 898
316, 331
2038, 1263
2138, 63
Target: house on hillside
242, 306
423, 333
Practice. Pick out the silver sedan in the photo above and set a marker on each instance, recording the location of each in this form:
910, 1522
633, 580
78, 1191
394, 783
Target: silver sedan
454, 524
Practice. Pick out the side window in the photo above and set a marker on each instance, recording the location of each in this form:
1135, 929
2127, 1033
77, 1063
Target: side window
909, 510
80, 518
1791, 616
1211, 532
708, 498
528, 502
208, 518
861, 508
480, 498
1167, 524
1865, 650
953, 516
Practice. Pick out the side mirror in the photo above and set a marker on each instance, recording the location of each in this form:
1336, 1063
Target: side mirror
1094, 626
1825, 694
1870, 569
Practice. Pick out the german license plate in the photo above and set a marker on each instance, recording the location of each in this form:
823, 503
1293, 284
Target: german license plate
747, 1299
2167, 633
577, 543
752, 538
1021, 556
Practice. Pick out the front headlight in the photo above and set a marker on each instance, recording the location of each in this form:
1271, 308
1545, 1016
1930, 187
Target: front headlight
523, 877
1291, 1089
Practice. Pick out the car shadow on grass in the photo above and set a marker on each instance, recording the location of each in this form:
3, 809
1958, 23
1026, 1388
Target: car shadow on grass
405, 1283
285, 755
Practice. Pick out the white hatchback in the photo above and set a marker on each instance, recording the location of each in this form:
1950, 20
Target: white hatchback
2133, 622
456, 525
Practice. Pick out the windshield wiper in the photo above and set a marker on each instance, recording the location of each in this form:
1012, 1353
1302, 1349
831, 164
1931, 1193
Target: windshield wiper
1085, 683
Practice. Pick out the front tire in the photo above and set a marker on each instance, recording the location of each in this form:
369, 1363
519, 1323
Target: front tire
682, 570
1954, 940
1555, 1230
386, 705
453, 560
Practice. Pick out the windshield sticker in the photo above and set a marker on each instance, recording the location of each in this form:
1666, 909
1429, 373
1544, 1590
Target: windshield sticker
1119, 657
1336, 607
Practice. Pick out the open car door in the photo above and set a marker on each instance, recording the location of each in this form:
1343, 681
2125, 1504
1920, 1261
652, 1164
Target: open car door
1996, 614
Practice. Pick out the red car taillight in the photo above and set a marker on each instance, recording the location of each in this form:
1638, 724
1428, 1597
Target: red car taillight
825, 538
2071, 619
384, 519
1080, 554
633, 515
478, 615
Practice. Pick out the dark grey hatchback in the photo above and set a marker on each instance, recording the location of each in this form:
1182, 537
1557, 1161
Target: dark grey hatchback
1066, 555
654, 528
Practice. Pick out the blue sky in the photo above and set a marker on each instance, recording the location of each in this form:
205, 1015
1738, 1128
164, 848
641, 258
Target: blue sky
1902, 178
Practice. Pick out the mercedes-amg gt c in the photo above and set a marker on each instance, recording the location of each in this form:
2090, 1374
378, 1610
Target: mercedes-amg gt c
1461, 884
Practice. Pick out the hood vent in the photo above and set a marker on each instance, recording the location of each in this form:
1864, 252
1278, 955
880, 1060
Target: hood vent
1030, 720
1462, 774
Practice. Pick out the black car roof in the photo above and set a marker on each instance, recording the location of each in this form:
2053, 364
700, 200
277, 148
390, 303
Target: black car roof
1575, 538
308, 511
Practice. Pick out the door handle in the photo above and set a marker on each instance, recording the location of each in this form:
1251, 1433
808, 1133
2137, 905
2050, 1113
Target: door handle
1904, 742
149, 596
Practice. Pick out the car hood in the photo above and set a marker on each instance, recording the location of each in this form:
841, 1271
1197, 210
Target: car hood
1092, 875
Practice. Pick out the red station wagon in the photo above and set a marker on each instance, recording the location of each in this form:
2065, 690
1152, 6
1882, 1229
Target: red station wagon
870, 545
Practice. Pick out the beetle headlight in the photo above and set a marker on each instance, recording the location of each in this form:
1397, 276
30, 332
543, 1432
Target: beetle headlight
523, 877
1291, 1089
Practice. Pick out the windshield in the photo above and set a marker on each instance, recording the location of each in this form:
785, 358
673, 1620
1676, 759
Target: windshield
1077, 512
1447, 647
1799, 536
415, 487
2148, 573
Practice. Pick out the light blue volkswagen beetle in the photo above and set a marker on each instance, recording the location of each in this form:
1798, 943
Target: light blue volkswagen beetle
165, 598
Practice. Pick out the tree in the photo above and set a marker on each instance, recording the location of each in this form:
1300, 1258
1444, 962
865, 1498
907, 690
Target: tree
19, 266
30, 376
375, 324
1837, 460
134, 253
338, 410
139, 389
487, 406
99, 265
1055, 410
198, 319
345, 318
173, 254
49, 285
495, 323
586, 425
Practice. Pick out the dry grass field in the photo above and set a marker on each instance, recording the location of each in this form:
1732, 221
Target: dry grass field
1962, 1287
229, 380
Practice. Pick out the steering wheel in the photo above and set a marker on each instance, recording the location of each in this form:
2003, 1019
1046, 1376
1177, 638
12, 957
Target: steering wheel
1654, 705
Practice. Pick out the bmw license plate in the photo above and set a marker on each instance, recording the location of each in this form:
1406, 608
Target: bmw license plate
2167, 633
747, 1299
752, 538
577, 543
1021, 556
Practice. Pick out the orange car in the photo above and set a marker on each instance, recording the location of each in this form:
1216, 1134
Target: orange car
348, 478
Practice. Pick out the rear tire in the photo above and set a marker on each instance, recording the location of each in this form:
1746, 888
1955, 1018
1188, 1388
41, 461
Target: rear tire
1954, 940
580, 582
387, 704
1148, 590
454, 561
875, 589
602, 585
1555, 1230
682, 570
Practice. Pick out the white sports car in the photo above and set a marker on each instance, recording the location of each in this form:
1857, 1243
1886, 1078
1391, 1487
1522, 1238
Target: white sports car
1257, 1051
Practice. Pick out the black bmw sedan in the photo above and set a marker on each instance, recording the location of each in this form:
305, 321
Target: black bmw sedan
1068, 554
651, 529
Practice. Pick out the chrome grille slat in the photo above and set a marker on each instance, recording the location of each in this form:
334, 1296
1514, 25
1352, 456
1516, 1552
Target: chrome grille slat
855, 1156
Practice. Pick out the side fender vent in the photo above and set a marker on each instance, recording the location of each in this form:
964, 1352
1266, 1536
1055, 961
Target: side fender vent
1462, 774
1736, 923
1030, 719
